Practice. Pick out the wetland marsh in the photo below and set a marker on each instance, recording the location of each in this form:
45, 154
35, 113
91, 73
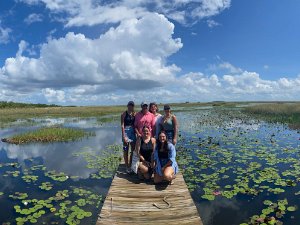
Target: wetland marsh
240, 168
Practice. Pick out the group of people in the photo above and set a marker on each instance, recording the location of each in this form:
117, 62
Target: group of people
153, 136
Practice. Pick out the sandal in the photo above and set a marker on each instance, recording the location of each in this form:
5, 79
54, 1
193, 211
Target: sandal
171, 182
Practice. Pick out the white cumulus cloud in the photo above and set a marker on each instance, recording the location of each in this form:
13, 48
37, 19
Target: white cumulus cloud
54, 95
91, 12
131, 55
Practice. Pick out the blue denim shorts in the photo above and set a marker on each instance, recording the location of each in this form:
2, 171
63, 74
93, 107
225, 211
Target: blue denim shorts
130, 134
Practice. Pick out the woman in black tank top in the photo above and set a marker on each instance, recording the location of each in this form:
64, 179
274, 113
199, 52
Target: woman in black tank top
128, 134
128, 119
145, 147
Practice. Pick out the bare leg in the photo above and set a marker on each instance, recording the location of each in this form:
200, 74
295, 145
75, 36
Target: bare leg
132, 145
168, 173
144, 170
125, 154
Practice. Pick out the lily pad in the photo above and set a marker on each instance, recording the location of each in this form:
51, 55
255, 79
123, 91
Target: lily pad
291, 208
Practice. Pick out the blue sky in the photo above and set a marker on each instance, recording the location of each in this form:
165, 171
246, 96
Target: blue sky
90, 52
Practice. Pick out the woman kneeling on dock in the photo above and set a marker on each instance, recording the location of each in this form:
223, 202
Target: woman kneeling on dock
164, 160
145, 146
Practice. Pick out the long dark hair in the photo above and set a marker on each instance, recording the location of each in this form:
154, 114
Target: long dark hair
151, 104
165, 144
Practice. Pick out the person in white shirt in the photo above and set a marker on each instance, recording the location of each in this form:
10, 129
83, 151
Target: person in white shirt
153, 108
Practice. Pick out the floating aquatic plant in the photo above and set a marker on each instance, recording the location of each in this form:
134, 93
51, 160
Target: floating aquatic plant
272, 214
57, 176
106, 163
291, 208
38, 167
58, 205
46, 186
19, 195
217, 157
29, 178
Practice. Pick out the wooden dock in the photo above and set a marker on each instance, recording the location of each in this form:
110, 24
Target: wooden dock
131, 201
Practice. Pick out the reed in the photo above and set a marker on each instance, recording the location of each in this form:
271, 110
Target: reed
277, 112
9, 115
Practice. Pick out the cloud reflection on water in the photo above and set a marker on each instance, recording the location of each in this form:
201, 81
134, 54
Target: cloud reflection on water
59, 156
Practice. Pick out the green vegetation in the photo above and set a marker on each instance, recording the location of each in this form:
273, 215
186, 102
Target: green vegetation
19, 195
68, 205
108, 119
11, 112
9, 115
106, 164
56, 176
228, 155
277, 112
4, 104
71, 205
59, 205
272, 214
47, 186
224, 154
48, 134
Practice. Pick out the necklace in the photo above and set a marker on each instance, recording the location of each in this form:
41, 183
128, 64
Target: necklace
130, 113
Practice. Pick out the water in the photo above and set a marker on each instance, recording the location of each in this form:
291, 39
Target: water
216, 139
59, 157
216, 147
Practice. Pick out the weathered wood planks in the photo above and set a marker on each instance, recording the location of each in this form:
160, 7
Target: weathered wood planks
130, 201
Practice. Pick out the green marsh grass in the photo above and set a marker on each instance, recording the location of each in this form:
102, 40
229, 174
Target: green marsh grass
12, 114
9, 115
277, 112
48, 134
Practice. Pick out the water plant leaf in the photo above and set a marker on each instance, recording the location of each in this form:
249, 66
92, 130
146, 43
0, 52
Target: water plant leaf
19, 195
291, 208
46, 186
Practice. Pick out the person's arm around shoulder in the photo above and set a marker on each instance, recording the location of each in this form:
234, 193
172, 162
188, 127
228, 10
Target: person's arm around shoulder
175, 123
123, 127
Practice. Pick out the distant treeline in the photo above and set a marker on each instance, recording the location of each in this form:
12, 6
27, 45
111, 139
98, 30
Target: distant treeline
4, 104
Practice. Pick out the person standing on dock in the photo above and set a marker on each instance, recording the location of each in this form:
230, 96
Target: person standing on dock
164, 162
145, 146
169, 124
128, 134
144, 118
153, 108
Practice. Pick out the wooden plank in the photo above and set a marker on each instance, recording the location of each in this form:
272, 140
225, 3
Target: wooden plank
130, 201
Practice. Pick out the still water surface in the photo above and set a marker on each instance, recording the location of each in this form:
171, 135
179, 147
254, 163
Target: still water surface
217, 135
